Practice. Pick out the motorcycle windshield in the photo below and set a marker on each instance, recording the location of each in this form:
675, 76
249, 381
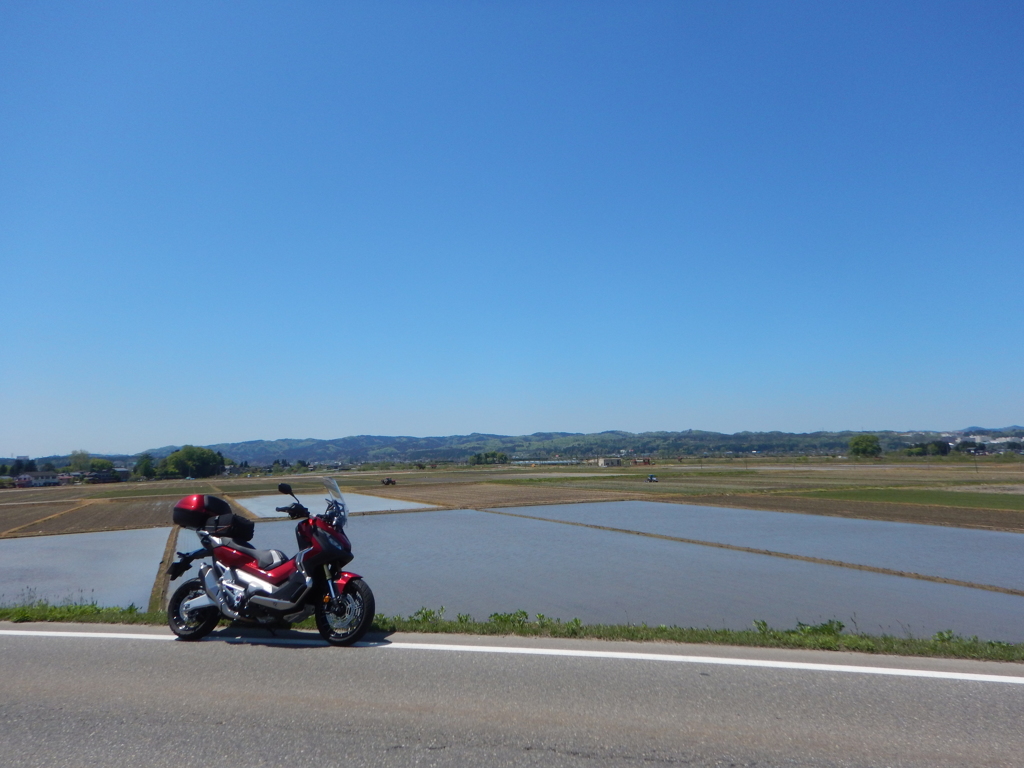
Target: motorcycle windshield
332, 486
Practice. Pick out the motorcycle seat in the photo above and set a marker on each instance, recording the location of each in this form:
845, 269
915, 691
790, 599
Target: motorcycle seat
266, 559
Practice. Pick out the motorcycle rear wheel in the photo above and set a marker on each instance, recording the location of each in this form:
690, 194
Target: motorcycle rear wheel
193, 625
346, 622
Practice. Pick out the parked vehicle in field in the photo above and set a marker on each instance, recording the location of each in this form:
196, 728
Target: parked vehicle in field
262, 586
388, 481
652, 479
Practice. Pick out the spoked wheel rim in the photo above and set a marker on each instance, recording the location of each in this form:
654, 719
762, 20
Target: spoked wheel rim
189, 620
344, 615
344, 620
195, 624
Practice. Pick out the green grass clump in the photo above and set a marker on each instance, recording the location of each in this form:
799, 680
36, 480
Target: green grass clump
85, 613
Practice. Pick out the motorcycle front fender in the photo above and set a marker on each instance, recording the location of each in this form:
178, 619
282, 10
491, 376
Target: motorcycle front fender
343, 579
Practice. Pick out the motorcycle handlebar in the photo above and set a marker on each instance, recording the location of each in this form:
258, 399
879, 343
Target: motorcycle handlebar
295, 510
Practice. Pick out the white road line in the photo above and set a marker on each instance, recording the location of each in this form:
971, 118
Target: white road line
565, 652
105, 635
723, 661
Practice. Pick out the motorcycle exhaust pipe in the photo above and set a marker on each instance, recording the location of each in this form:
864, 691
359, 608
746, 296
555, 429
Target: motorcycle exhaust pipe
269, 602
213, 590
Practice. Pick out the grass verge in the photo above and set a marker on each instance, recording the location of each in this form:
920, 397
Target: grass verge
1005, 501
82, 613
820, 637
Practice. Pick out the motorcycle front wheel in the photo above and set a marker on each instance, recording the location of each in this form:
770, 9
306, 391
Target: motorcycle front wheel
190, 625
346, 620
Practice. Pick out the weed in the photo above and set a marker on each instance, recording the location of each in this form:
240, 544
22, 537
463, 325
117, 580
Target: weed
517, 619
830, 628
428, 615
574, 627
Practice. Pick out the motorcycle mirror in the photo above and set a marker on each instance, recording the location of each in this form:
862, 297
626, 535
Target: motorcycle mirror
285, 489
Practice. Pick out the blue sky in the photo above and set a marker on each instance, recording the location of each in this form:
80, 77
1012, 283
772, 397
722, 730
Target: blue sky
226, 221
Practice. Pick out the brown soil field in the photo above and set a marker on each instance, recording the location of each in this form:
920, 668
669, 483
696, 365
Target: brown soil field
14, 516
56, 493
480, 495
106, 516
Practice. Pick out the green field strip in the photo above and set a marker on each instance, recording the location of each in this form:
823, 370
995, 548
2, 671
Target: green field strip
1013, 502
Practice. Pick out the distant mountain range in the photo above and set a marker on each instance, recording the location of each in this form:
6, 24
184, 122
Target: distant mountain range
549, 445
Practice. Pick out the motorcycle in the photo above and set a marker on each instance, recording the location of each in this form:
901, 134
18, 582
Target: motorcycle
262, 586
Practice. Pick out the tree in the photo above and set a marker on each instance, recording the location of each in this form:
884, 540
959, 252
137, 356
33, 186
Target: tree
865, 445
101, 465
30, 466
79, 461
934, 448
191, 461
491, 457
48, 467
144, 467
4, 469
17, 467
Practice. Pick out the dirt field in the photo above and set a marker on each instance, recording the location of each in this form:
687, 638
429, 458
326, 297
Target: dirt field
13, 517
752, 483
94, 515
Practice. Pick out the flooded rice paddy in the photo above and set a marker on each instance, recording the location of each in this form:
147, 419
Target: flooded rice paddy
266, 506
479, 563
112, 568
986, 557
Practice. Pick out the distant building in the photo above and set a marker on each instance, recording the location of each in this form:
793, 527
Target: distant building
614, 462
36, 479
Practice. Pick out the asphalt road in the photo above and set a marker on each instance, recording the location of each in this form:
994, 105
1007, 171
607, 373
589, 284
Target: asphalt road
74, 701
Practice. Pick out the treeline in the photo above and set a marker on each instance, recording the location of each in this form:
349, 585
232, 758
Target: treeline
364, 449
78, 461
476, 448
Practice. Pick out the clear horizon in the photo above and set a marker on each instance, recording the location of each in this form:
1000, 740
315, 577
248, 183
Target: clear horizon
221, 223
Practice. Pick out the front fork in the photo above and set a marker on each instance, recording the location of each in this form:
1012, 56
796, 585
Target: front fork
332, 590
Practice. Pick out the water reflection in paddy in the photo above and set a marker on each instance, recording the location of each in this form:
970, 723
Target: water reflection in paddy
985, 557
480, 563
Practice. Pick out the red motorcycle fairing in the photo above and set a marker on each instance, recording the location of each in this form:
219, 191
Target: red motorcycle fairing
235, 559
305, 533
343, 579
312, 535
322, 544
